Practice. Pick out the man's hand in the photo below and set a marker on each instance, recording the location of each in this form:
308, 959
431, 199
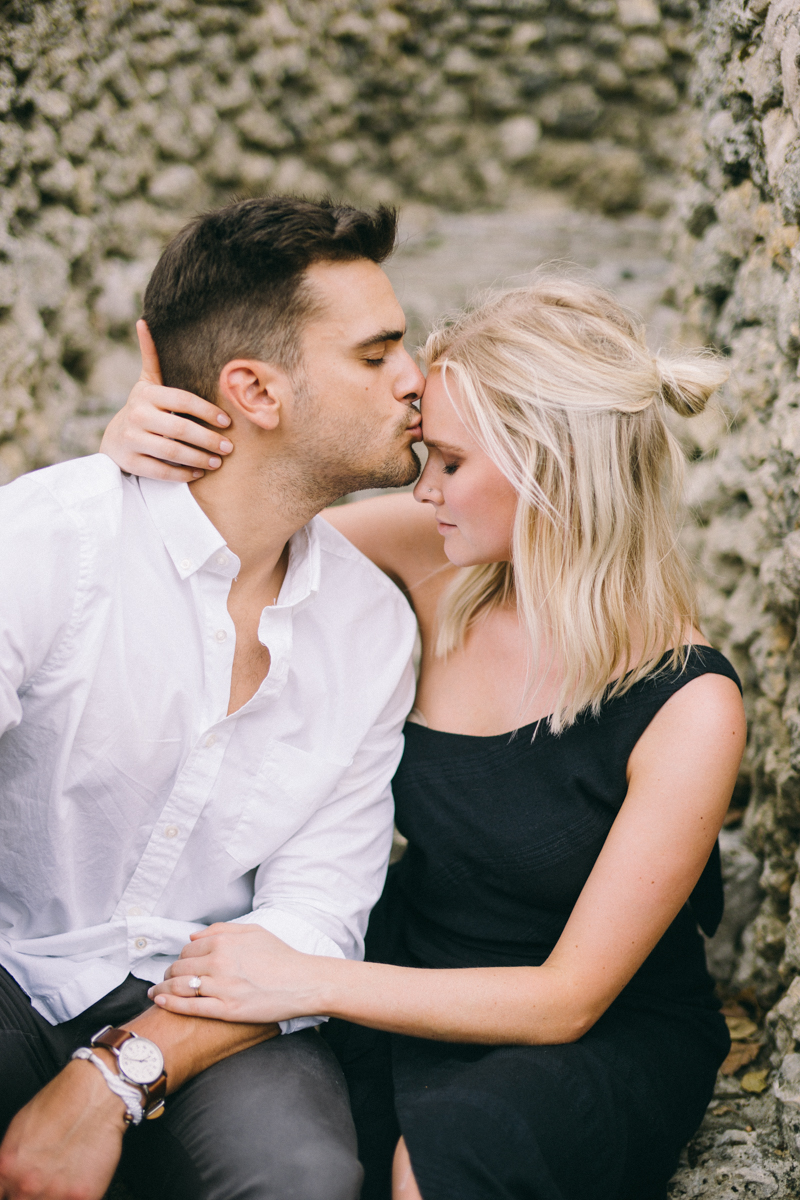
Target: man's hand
66, 1142
147, 437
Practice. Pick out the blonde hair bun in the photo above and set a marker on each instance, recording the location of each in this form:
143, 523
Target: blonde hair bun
687, 383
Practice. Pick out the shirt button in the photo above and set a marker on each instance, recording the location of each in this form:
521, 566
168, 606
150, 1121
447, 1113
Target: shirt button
140, 943
221, 559
221, 635
171, 831
134, 911
185, 564
210, 741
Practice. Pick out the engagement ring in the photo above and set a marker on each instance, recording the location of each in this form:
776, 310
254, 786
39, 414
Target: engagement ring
195, 982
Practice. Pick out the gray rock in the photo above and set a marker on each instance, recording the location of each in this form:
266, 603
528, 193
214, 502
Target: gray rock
518, 137
741, 870
572, 111
178, 186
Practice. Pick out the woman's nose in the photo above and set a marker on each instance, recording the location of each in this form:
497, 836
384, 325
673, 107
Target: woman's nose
425, 489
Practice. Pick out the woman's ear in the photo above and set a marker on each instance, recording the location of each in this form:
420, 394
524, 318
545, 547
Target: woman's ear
254, 390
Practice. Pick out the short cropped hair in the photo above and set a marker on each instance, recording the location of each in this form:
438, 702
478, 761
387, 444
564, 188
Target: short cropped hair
230, 284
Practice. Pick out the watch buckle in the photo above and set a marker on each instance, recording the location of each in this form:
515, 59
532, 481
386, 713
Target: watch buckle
156, 1111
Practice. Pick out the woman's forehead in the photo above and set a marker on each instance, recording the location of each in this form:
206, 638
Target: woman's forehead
442, 424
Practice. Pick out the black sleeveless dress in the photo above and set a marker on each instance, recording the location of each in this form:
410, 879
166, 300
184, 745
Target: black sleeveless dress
503, 833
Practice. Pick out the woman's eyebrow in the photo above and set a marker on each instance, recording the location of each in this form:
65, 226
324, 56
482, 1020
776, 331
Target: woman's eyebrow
442, 445
385, 335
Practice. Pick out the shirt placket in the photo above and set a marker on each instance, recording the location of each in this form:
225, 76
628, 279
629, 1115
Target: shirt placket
198, 775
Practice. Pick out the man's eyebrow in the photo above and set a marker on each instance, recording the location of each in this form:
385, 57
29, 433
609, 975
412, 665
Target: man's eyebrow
385, 335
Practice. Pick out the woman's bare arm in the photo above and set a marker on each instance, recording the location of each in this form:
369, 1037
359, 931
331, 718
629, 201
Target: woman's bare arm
681, 776
399, 535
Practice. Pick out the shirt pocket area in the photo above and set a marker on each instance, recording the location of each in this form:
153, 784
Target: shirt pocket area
291, 785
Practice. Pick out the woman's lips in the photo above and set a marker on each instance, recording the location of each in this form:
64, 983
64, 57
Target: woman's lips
443, 527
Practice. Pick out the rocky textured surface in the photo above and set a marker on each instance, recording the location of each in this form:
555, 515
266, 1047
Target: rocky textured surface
120, 118
737, 245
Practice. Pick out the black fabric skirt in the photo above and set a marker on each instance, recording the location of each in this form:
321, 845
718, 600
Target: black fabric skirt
603, 1118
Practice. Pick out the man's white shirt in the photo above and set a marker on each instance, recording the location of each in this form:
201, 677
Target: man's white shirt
133, 809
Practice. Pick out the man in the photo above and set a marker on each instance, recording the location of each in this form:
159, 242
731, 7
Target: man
201, 700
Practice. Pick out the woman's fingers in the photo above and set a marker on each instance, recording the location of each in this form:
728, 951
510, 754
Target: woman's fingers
151, 368
173, 425
170, 398
163, 435
153, 445
146, 396
194, 1006
198, 965
154, 468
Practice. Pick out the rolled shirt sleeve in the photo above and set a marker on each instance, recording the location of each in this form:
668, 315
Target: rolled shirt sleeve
316, 894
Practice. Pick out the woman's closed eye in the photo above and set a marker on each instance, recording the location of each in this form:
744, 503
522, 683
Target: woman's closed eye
450, 468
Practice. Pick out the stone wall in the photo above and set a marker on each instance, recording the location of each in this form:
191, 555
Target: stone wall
120, 118
737, 244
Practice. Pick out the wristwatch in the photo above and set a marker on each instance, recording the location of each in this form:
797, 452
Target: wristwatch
139, 1062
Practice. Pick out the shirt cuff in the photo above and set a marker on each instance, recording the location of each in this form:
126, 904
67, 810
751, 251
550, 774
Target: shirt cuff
300, 935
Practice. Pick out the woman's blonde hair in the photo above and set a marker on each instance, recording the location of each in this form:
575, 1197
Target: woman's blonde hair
556, 383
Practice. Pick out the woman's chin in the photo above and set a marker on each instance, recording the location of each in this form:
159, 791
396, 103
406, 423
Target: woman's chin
462, 556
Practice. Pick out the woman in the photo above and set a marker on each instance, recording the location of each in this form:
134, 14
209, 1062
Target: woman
536, 970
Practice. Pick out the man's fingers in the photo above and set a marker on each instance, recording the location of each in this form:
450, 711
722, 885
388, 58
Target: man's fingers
151, 367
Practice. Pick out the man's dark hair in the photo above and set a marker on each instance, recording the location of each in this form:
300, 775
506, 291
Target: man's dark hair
230, 284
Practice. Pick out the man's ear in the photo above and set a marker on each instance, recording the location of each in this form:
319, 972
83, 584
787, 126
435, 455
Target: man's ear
255, 390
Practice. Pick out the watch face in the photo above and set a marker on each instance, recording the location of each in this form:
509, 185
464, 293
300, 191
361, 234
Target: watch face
140, 1060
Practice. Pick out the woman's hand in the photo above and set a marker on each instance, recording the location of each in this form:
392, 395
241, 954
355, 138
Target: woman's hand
148, 437
245, 973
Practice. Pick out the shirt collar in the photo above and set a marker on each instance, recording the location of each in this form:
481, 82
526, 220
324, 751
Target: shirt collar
303, 572
193, 543
190, 538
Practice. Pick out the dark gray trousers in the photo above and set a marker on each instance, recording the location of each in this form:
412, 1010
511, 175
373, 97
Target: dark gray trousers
269, 1123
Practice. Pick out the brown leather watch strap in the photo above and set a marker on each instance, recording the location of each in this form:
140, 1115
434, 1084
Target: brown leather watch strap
111, 1038
154, 1093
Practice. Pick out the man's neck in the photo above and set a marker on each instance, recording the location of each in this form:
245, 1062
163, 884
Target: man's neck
256, 513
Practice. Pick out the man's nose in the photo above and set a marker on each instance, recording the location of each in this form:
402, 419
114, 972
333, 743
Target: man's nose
411, 380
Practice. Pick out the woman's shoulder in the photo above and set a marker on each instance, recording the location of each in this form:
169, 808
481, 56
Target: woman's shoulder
694, 684
696, 659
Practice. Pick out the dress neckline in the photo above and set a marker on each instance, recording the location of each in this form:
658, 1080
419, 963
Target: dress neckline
533, 727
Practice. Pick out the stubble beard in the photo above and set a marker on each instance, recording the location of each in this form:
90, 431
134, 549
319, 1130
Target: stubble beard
331, 464
328, 478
